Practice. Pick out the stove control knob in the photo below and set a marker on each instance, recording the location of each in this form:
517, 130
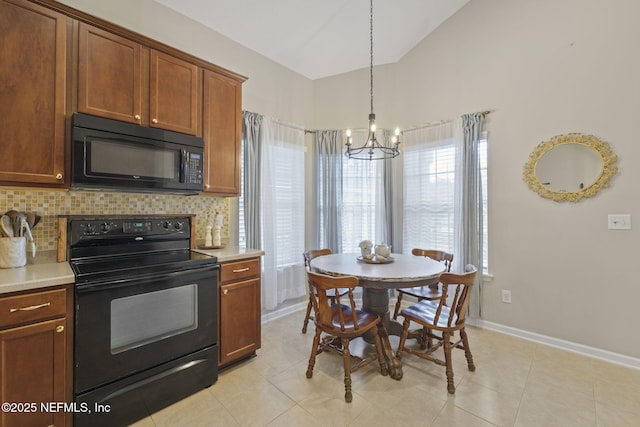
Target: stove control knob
177, 226
89, 229
105, 227
166, 225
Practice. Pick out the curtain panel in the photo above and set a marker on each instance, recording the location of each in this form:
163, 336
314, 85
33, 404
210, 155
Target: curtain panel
251, 139
472, 215
282, 202
328, 180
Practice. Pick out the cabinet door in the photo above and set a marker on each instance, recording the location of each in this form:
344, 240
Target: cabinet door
110, 76
239, 320
33, 371
33, 52
173, 94
222, 123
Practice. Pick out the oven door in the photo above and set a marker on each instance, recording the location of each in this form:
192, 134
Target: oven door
126, 326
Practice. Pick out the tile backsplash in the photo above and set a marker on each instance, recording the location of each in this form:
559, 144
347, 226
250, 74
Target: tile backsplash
51, 203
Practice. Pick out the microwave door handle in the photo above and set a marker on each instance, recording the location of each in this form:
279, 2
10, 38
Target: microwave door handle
184, 166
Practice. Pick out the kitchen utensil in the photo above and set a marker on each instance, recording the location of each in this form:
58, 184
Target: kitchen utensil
22, 221
31, 218
30, 238
6, 226
36, 221
15, 223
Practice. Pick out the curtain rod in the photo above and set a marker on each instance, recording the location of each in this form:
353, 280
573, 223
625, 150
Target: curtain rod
484, 113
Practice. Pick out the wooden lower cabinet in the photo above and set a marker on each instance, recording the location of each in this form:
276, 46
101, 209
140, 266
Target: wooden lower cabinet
239, 310
35, 354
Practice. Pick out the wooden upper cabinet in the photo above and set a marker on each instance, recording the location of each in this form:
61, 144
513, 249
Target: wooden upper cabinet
123, 80
33, 63
173, 94
110, 76
222, 132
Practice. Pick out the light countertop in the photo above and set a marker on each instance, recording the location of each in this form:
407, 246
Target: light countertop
44, 271
232, 253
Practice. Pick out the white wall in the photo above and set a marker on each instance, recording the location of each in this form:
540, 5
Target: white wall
545, 68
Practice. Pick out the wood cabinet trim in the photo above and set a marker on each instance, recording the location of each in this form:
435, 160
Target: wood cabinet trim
32, 307
121, 31
55, 166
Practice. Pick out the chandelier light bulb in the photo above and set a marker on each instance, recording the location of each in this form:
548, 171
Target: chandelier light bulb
397, 131
373, 127
348, 132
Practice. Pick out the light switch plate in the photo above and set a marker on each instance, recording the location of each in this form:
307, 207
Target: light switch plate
619, 222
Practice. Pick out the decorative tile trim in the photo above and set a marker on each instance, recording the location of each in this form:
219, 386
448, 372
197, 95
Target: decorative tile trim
51, 203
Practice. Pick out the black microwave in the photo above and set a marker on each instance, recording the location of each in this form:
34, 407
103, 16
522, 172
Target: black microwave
112, 155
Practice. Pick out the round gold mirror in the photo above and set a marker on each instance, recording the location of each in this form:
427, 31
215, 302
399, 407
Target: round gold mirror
570, 167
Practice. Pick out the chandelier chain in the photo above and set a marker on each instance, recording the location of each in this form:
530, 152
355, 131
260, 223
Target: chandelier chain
371, 51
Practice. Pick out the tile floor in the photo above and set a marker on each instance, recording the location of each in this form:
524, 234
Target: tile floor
516, 383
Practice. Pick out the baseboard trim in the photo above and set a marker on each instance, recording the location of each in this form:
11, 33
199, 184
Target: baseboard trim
596, 353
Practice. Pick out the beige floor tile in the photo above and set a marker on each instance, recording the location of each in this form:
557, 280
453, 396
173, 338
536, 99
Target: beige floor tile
198, 410
452, 416
488, 404
334, 411
621, 394
555, 409
256, 405
609, 416
296, 416
516, 383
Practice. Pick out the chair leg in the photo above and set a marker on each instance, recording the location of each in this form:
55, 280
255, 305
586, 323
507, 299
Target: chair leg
403, 338
398, 304
467, 350
314, 351
381, 361
346, 357
446, 338
306, 317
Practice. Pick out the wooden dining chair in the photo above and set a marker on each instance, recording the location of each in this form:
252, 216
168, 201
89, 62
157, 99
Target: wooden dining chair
341, 323
431, 292
308, 256
440, 322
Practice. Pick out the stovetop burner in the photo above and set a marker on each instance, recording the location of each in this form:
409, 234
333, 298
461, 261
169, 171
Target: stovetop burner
116, 247
92, 269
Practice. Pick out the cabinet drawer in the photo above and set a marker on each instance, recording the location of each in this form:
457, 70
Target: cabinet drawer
32, 307
231, 271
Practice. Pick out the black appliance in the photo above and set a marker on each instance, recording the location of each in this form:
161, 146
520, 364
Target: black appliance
145, 316
110, 154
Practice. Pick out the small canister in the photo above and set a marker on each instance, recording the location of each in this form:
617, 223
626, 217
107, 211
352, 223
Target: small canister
13, 252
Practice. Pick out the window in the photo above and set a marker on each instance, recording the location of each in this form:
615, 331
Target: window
362, 200
431, 162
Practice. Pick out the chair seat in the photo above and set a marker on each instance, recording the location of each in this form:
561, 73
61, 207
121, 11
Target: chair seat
424, 312
365, 320
423, 292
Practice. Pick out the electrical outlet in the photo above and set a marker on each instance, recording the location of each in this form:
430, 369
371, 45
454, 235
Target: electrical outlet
619, 222
506, 296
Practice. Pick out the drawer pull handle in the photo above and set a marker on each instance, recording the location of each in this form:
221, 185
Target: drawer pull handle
226, 291
241, 270
31, 307
59, 328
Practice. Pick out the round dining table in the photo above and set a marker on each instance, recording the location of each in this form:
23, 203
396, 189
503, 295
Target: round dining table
376, 279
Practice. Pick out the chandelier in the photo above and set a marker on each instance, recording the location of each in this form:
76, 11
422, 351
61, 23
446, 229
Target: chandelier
372, 149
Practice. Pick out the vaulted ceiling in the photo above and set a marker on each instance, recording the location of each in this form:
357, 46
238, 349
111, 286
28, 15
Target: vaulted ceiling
321, 38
